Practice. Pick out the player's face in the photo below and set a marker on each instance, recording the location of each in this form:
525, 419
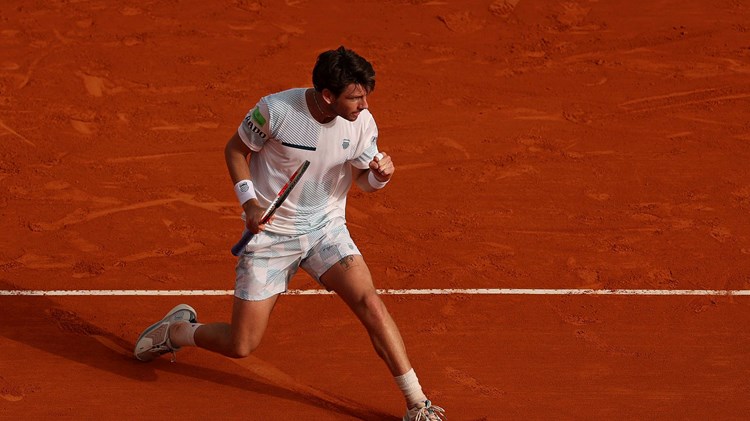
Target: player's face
351, 102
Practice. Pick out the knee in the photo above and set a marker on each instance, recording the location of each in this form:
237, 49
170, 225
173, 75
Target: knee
243, 348
375, 311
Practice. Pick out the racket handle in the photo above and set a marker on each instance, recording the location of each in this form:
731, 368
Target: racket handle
246, 237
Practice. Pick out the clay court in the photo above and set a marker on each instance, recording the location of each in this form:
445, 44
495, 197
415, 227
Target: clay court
566, 235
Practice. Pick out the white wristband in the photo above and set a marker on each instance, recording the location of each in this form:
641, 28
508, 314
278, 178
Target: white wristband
374, 182
245, 191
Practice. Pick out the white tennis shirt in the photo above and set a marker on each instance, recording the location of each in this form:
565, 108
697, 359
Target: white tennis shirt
282, 133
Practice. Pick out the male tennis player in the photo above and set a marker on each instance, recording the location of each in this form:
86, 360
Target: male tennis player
330, 126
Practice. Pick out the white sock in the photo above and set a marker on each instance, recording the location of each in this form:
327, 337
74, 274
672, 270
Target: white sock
182, 334
409, 385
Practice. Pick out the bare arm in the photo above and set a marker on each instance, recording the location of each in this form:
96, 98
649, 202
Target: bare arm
236, 154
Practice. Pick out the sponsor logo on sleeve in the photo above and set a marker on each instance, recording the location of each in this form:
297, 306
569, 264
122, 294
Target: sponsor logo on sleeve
253, 128
258, 117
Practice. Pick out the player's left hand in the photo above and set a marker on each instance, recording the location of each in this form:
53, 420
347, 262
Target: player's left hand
382, 166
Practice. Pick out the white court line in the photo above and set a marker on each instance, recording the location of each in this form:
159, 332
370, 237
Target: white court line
487, 291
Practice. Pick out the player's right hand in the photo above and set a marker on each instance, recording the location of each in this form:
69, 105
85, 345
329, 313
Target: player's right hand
253, 215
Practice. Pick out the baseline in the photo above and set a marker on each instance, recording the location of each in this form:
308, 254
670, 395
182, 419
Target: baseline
448, 291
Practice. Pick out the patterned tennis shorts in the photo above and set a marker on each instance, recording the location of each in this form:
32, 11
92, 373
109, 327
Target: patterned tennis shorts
271, 260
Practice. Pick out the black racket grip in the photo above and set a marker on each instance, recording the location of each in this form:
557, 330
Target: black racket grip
240, 246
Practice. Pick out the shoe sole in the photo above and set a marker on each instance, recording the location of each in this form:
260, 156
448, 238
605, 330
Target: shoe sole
146, 356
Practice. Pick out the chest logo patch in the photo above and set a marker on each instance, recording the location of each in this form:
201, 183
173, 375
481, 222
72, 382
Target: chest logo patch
345, 143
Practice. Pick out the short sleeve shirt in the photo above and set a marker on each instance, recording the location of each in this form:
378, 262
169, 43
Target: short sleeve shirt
282, 134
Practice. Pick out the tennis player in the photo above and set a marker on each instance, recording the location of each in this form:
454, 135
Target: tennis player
330, 126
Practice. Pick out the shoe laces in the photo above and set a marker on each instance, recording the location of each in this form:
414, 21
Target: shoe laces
166, 348
430, 412
171, 348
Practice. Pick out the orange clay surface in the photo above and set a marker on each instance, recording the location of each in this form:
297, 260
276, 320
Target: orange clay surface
538, 144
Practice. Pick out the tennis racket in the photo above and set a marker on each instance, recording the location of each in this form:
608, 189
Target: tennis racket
283, 194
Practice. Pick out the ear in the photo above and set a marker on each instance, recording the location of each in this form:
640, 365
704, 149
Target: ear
328, 96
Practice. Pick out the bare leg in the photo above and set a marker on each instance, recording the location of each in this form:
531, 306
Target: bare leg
243, 335
350, 278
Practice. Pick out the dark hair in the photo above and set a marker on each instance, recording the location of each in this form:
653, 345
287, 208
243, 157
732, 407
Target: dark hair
336, 69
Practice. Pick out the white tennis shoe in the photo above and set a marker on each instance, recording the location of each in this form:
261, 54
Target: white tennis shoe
425, 411
154, 341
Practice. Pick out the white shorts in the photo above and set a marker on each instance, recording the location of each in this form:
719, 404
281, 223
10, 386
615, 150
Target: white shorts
270, 260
